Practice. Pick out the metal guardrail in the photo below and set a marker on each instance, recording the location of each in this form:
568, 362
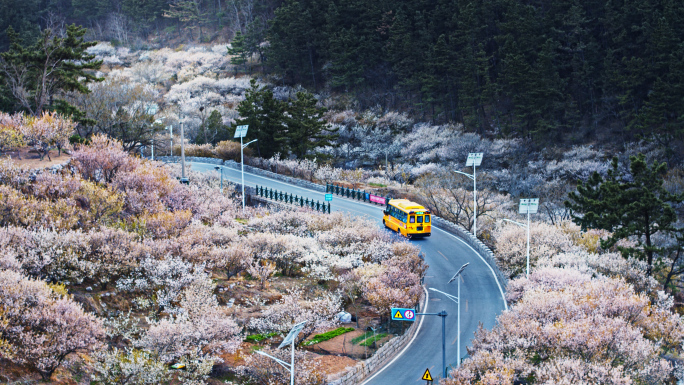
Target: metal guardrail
280, 196
356, 194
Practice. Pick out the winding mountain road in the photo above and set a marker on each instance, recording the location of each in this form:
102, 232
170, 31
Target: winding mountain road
483, 297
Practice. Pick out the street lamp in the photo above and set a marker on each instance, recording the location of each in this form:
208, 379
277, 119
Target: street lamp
182, 139
220, 168
474, 159
289, 340
456, 299
240, 132
527, 206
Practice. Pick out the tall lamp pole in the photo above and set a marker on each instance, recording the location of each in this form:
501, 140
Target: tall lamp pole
182, 139
240, 132
457, 299
527, 206
474, 160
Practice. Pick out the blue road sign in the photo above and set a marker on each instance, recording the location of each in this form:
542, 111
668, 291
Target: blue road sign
401, 314
328, 197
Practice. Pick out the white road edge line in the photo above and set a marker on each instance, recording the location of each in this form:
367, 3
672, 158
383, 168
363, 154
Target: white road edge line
427, 302
503, 296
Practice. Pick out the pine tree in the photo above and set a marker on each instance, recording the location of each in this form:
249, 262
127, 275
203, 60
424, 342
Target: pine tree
630, 206
264, 115
306, 128
238, 50
38, 73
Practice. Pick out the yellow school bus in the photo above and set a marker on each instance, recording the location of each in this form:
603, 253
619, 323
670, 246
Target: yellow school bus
408, 218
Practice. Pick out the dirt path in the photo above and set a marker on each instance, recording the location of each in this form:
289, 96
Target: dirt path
26, 157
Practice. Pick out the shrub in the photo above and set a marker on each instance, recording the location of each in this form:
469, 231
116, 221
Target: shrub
230, 150
200, 150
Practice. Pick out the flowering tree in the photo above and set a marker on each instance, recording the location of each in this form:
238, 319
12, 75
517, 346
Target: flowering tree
197, 334
577, 331
10, 134
511, 244
41, 325
293, 308
129, 366
102, 159
46, 132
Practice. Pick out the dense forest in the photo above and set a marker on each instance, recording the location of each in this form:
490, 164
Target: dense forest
548, 70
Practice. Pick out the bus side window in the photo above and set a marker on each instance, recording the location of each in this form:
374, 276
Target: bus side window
412, 219
427, 219
419, 219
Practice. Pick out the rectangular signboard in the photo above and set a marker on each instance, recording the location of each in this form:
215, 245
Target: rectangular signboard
328, 197
474, 159
529, 205
240, 131
401, 314
377, 199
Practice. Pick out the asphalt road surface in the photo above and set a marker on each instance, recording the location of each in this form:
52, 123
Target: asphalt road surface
481, 292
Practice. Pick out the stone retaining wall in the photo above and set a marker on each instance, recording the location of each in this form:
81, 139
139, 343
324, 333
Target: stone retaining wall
236, 166
176, 159
356, 374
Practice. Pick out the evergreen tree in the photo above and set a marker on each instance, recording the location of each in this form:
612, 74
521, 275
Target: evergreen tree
264, 115
144, 14
36, 74
238, 50
293, 35
306, 128
635, 205
213, 129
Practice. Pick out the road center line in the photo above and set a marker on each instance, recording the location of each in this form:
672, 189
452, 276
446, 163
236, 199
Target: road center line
440, 253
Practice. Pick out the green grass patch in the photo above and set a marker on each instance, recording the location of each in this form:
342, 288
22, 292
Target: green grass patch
327, 335
369, 341
377, 185
362, 337
260, 337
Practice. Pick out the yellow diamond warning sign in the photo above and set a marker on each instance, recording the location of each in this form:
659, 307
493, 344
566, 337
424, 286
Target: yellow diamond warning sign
427, 376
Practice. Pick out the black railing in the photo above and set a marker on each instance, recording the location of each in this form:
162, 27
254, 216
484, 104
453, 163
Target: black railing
356, 194
284, 197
